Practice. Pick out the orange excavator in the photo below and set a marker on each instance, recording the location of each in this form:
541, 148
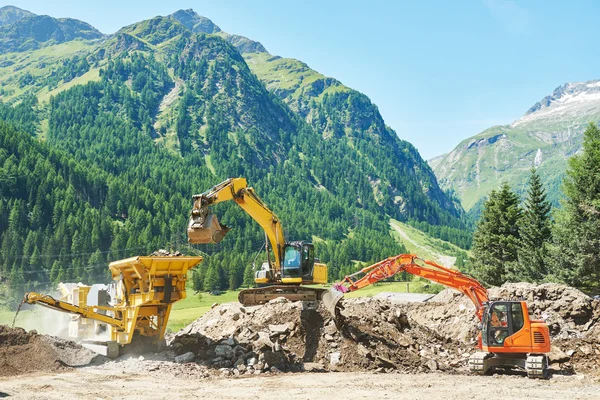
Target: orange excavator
509, 338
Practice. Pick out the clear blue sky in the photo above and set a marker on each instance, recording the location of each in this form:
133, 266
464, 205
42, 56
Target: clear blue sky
439, 71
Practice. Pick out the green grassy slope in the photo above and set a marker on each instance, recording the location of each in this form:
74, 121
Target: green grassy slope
427, 247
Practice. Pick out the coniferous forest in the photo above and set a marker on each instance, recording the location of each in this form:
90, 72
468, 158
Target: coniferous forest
106, 169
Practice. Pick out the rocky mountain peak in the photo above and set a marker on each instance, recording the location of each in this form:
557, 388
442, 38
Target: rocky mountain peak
10, 14
194, 22
568, 92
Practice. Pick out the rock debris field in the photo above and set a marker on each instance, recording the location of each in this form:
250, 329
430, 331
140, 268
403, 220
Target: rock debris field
371, 335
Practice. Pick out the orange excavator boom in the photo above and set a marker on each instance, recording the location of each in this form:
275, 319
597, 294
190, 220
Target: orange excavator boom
414, 265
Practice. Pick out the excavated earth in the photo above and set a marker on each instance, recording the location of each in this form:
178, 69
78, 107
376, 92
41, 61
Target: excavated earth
382, 336
370, 335
22, 352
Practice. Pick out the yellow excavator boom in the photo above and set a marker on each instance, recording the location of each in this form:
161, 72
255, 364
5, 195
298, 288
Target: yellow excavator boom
205, 228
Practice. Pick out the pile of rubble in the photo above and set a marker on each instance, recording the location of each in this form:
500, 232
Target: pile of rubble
22, 352
378, 335
302, 336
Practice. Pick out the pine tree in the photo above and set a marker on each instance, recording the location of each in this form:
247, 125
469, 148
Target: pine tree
496, 239
212, 279
577, 228
535, 232
249, 275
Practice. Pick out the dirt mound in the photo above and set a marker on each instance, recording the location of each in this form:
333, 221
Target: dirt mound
383, 336
375, 335
568, 312
22, 351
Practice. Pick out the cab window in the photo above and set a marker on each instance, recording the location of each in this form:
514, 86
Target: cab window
499, 329
291, 258
517, 316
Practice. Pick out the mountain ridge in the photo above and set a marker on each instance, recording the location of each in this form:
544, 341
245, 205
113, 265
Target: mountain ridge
36, 31
547, 134
346, 119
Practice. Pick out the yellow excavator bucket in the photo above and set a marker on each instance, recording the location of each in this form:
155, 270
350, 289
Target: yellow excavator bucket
207, 231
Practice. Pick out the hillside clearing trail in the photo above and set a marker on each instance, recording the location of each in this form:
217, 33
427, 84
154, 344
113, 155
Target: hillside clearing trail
446, 261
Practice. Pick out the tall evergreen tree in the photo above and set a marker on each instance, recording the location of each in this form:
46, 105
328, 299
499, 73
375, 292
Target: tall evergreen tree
496, 239
575, 253
535, 232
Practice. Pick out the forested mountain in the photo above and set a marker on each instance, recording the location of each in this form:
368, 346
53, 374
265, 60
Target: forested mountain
546, 136
162, 110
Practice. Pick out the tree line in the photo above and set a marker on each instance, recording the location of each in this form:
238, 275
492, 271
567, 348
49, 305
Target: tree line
531, 242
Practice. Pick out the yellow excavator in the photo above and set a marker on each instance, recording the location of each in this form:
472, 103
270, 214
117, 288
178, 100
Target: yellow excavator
289, 265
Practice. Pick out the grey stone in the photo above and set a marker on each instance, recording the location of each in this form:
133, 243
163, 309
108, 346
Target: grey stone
313, 367
262, 342
404, 341
279, 300
239, 350
222, 364
279, 329
432, 364
230, 341
224, 350
556, 355
329, 338
185, 357
335, 357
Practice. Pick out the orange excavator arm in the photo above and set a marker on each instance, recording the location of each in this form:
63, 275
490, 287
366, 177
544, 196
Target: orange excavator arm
414, 265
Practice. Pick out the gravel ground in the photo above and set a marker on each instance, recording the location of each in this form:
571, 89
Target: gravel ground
114, 380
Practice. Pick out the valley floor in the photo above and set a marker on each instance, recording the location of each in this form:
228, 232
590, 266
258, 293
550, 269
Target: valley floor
116, 382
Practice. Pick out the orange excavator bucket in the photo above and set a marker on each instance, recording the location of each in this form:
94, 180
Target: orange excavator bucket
331, 299
206, 230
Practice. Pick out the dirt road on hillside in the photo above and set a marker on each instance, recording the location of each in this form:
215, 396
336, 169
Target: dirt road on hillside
113, 383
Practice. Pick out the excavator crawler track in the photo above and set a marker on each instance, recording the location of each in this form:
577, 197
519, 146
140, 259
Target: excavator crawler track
537, 366
257, 296
478, 363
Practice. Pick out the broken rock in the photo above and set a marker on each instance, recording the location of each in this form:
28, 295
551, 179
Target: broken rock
224, 350
186, 357
432, 364
281, 329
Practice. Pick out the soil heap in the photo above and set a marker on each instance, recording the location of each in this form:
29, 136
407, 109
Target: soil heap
375, 334
22, 351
